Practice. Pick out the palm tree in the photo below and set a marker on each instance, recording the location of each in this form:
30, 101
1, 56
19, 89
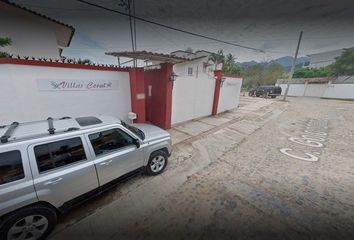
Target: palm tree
84, 61
217, 58
229, 60
3, 43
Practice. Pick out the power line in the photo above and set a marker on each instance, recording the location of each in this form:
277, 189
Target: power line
169, 27
253, 37
134, 24
131, 25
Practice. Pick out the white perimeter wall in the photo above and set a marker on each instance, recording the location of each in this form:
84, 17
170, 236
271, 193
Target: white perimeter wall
21, 100
192, 96
344, 91
229, 94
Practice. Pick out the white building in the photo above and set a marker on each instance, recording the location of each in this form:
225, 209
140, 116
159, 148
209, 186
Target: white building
187, 83
32, 33
193, 94
324, 58
193, 91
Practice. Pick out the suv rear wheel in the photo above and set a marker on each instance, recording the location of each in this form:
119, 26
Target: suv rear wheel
157, 163
34, 222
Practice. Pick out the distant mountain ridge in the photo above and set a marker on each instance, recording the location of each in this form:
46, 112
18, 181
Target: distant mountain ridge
286, 62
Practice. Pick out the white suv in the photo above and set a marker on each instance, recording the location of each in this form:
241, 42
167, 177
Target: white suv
48, 166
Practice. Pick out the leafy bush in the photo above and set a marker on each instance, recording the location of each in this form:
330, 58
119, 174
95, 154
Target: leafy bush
232, 69
313, 72
262, 74
344, 64
84, 61
3, 43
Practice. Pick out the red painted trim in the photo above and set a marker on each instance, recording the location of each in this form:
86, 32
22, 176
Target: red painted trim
159, 104
137, 86
231, 76
59, 64
218, 76
168, 68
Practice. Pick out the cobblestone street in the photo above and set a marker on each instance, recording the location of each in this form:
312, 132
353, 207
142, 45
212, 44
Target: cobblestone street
267, 170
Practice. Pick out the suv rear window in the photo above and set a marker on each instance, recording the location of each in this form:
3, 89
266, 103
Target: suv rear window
58, 154
11, 168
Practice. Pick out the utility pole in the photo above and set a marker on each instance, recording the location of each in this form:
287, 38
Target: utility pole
292, 68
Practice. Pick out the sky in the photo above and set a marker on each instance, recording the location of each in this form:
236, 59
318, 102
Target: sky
270, 25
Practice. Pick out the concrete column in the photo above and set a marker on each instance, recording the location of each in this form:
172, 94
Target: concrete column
159, 108
167, 69
306, 83
217, 76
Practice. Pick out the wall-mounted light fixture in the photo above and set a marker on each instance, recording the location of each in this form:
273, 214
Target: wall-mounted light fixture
222, 81
173, 77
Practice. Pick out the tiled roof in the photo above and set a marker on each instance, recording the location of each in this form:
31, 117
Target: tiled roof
144, 55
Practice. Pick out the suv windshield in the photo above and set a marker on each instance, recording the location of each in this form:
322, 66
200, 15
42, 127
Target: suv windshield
135, 130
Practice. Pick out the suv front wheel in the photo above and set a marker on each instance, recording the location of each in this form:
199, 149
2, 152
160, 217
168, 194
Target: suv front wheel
157, 163
35, 222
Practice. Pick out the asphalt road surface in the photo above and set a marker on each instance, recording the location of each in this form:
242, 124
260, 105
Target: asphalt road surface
269, 170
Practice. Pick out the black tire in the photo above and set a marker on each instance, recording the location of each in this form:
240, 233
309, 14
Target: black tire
149, 167
39, 211
273, 96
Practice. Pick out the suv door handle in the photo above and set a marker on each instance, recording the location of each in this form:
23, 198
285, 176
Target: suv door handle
106, 163
53, 182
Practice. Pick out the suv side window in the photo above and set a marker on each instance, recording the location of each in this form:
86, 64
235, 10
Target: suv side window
11, 168
109, 141
58, 154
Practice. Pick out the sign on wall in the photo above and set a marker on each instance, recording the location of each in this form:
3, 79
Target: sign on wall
232, 82
76, 85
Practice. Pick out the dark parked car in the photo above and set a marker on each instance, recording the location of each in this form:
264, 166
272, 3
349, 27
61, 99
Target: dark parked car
266, 90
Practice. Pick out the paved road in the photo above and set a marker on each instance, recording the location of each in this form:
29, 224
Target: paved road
269, 170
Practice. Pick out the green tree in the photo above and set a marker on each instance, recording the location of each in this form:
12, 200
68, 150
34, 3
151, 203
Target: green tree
261, 74
271, 74
344, 64
230, 67
3, 43
84, 61
229, 60
313, 72
252, 76
217, 58
189, 50
233, 69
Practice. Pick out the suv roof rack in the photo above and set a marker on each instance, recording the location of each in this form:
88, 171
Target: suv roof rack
8, 134
62, 118
51, 128
9, 131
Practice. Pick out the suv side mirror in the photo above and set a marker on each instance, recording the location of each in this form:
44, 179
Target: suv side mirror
137, 143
